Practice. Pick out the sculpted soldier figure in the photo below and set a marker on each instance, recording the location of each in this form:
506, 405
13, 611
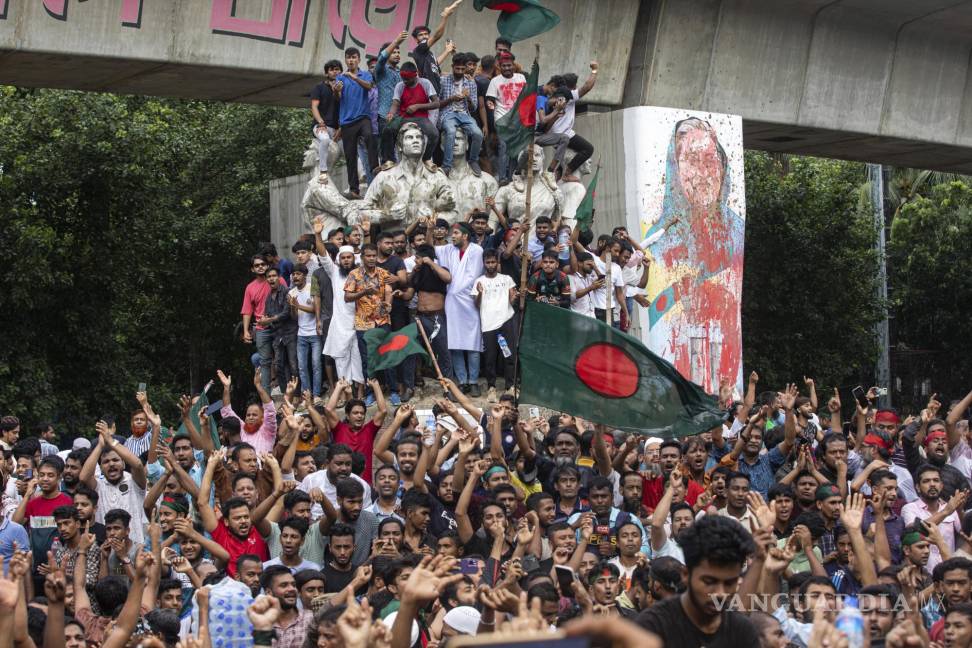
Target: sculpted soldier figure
470, 190
326, 200
547, 199
411, 190
574, 192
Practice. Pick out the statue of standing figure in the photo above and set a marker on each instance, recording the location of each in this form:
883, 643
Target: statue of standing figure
574, 192
409, 191
546, 200
470, 190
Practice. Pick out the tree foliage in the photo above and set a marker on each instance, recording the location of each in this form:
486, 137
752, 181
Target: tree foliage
125, 220
931, 272
809, 285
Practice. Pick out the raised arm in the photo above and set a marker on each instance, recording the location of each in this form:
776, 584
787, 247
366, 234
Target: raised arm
600, 451
199, 437
789, 426
184, 527
954, 416
87, 475
135, 466
258, 516
496, 433
812, 389
658, 534
591, 80
379, 418
128, 618
461, 398
154, 493
440, 29
85, 544
261, 392
330, 408
463, 522
851, 517
320, 423
156, 422
207, 516
385, 437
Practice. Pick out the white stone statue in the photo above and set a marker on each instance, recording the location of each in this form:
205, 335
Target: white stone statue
574, 192
470, 190
335, 163
546, 200
410, 190
325, 199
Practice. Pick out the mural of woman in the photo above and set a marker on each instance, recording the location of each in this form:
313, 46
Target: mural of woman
698, 258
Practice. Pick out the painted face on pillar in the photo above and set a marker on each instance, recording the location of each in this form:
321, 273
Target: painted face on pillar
700, 166
413, 143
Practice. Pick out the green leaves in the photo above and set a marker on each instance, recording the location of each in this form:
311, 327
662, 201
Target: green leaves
126, 225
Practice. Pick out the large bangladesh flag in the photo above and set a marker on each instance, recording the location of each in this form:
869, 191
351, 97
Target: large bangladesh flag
387, 349
520, 19
517, 126
582, 366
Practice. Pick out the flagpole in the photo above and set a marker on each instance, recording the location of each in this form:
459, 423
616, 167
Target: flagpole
524, 254
428, 345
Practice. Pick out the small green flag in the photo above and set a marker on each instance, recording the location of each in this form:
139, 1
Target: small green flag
585, 211
387, 349
590, 369
520, 19
516, 127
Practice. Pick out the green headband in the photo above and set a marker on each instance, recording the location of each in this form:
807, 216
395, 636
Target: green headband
175, 505
492, 470
911, 538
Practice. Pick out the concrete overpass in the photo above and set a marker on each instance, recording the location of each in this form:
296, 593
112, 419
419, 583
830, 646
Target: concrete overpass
878, 80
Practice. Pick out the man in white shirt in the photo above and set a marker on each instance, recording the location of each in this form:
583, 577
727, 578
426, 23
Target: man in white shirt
584, 282
565, 123
500, 97
325, 481
494, 294
304, 306
611, 271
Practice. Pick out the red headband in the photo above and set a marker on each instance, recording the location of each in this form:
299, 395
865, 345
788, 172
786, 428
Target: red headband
886, 416
876, 440
931, 436
408, 74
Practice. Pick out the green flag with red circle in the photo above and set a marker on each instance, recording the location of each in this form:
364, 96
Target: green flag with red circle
388, 349
520, 19
579, 365
516, 127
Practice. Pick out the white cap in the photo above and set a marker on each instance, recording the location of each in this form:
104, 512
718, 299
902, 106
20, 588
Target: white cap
80, 443
463, 619
652, 441
389, 622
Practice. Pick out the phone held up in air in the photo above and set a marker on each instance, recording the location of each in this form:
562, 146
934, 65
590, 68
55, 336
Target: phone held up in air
565, 579
141, 387
214, 407
860, 395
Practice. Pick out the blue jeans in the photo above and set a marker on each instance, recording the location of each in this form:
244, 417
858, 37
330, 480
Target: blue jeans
264, 346
310, 344
450, 122
464, 375
363, 351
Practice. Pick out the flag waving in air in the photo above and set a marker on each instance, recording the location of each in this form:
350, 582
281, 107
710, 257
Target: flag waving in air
516, 127
585, 211
387, 349
592, 370
520, 19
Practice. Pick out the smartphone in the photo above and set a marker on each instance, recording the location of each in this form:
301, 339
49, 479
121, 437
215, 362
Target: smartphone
214, 407
469, 566
565, 579
534, 412
29, 473
529, 564
860, 395
141, 387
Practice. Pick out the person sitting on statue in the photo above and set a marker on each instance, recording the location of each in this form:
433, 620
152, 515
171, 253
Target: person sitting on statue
412, 101
459, 101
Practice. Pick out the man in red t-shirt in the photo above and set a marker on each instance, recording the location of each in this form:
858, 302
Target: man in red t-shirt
414, 100
254, 303
36, 510
353, 431
670, 455
234, 531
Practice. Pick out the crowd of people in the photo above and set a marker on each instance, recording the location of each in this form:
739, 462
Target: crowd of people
364, 109
342, 525
337, 513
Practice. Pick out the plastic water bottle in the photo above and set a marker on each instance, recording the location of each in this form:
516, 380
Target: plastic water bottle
430, 422
850, 621
563, 238
504, 347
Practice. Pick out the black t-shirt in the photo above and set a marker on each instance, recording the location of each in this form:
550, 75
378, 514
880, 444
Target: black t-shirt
428, 67
424, 279
328, 106
482, 85
393, 265
334, 580
668, 620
